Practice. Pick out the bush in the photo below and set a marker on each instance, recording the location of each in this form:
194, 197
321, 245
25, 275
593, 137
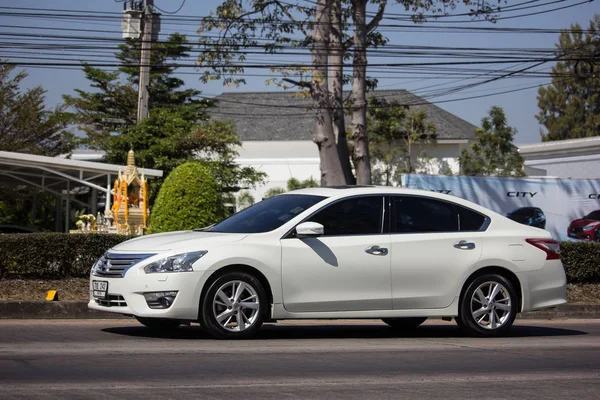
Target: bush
61, 255
52, 255
581, 261
188, 199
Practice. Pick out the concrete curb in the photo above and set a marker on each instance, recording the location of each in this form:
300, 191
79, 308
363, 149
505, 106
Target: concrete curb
51, 310
80, 310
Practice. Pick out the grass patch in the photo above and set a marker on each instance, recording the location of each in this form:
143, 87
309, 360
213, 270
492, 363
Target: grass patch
78, 289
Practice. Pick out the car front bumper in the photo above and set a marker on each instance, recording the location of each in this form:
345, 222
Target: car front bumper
126, 295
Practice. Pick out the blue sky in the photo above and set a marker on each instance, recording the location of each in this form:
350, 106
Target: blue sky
520, 106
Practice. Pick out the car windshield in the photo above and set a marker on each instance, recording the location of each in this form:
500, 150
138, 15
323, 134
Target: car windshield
267, 215
593, 215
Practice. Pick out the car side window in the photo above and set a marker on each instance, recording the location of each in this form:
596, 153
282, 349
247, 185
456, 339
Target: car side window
415, 214
354, 216
469, 220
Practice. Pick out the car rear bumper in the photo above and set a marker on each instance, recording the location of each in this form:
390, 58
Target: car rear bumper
544, 288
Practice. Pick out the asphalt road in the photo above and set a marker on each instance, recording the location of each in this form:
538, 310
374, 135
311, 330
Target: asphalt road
120, 359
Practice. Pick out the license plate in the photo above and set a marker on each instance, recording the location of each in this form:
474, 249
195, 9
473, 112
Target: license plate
100, 288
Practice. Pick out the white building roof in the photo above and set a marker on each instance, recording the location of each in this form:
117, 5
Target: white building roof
561, 148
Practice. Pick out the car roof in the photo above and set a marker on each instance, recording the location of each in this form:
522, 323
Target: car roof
346, 191
334, 192
343, 191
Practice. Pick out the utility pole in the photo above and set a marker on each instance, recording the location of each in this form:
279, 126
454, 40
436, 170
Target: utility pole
147, 26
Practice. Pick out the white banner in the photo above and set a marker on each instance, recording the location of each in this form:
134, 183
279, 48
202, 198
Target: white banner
563, 202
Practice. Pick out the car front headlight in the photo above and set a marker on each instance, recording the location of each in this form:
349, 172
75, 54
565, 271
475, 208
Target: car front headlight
177, 263
588, 227
98, 264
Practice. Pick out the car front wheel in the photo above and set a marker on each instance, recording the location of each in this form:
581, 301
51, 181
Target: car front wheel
234, 307
488, 306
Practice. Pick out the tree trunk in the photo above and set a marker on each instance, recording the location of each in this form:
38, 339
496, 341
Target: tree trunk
336, 77
362, 161
331, 169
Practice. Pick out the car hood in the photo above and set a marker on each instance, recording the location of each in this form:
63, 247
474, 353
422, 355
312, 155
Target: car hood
173, 240
584, 222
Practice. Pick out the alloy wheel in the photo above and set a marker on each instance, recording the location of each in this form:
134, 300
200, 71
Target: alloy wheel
491, 305
236, 306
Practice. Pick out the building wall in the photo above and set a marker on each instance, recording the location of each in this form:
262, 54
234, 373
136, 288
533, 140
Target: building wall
571, 158
578, 167
282, 160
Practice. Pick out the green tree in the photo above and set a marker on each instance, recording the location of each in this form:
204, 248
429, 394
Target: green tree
168, 138
493, 153
112, 106
273, 192
26, 124
177, 129
570, 105
396, 134
188, 199
294, 184
332, 31
245, 200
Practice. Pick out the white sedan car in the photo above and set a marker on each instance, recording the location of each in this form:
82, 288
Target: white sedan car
350, 252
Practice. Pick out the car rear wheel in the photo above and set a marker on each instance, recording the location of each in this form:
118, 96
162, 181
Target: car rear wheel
404, 323
488, 306
159, 324
234, 307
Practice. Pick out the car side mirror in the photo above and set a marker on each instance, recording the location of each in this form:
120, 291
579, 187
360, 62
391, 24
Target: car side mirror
309, 229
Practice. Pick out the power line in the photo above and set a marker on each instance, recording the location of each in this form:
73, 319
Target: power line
174, 12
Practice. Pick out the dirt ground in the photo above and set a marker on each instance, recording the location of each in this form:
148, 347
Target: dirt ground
78, 289
68, 289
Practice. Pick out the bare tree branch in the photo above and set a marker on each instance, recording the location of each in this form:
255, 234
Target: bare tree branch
297, 83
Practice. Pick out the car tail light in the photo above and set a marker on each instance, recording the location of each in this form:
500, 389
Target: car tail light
549, 246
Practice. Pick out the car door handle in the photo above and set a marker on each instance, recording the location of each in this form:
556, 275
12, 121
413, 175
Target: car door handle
464, 245
377, 251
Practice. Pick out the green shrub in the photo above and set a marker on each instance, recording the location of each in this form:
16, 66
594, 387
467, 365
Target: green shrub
581, 261
188, 199
61, 255
52, 255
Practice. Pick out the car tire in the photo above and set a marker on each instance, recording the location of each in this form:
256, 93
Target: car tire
404, 324
234, 306
488, 306
159, 324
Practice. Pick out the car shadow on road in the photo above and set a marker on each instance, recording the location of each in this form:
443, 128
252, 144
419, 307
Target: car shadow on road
340, 331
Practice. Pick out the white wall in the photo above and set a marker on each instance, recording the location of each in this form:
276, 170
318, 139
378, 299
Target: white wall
578, 167
282, 160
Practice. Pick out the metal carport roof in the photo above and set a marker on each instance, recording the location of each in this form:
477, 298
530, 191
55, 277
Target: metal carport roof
61, 175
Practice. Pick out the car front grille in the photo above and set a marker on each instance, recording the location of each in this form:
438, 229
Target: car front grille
112, 300
112, 265
576, 229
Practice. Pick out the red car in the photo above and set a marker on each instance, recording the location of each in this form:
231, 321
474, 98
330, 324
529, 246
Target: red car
586, 228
